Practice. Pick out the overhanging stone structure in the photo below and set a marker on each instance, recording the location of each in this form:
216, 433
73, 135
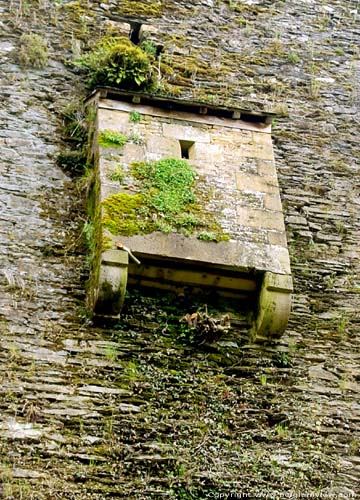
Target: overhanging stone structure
231, 153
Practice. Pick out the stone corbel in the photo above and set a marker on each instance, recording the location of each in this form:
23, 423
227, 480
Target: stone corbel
112, 283
274, 307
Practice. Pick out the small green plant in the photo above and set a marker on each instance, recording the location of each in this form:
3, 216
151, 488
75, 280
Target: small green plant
135, 116
131, 371
281, 429
116, 61
136, 138
88, 231
342, 324
33, 52
282, 360
112, 138
293, 58
263, 379
111, 352
207, 236
117, 175
314, 89
149, 48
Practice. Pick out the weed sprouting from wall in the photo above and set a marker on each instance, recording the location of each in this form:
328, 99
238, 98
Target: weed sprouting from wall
78, 130
33, 51
116, 61
112, 138
135, 116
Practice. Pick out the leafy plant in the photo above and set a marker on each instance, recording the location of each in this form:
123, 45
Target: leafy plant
207, 236
149, 48
263, 379
169, 184
117, 61
293, 58
88, 231
73, 161
78, 130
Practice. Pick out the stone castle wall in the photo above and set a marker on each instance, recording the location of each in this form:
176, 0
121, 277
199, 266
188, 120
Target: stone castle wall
92, 413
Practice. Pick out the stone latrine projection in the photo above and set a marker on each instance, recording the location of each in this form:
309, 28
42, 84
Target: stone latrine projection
223, 231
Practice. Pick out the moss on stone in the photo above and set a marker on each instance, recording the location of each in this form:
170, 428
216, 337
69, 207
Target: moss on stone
95, 247
145, 8
123, 214
168, 202
117, 173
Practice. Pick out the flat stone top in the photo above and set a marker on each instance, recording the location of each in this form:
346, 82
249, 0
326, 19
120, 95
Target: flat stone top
235, 175
192, 106
184, 115
232, 254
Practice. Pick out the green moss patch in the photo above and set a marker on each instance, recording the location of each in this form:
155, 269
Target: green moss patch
168, 202
122, 214
168, 185
144, 8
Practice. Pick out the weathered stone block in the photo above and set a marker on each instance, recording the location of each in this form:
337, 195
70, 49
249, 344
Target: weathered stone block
147, 31
185, 132
133, 152
273, 307
118, 28
163, 147
112, 283
266, 167
277, 238
210, 153
260, 218
118, 121
272, 201
245, 181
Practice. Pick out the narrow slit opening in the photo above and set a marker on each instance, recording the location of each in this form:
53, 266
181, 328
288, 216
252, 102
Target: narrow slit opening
135, 32
185, 148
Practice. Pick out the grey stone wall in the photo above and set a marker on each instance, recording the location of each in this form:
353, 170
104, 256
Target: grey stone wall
99, 413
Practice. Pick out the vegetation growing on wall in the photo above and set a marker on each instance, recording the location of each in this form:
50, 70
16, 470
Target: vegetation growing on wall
116, 61
33, 51
168, 202
112, 138
78, 129
144, 8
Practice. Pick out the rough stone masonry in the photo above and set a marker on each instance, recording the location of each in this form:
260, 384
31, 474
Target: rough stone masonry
132, 412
